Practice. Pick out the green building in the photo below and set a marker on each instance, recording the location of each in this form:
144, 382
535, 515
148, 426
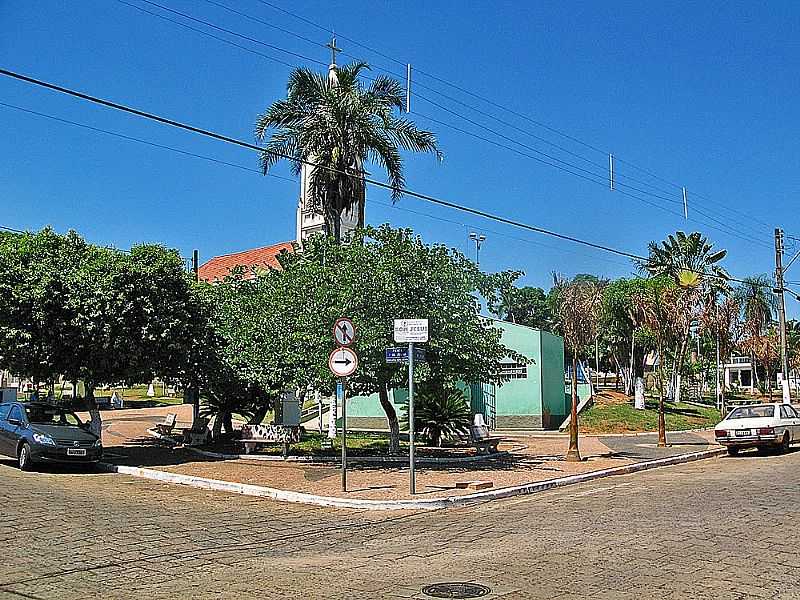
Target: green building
532, 396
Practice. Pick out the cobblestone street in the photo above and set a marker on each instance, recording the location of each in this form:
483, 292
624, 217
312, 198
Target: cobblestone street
712, 529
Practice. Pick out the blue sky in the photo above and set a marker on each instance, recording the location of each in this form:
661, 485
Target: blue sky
702, 94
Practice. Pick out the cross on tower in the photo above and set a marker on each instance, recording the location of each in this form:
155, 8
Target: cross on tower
333, 49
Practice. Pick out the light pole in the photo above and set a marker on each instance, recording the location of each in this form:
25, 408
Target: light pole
478, 239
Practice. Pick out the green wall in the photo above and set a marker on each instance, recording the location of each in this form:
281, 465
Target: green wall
535, 402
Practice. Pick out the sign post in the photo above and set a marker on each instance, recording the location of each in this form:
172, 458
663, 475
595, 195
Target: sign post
343, 362
413, 479
411, 331
340, 396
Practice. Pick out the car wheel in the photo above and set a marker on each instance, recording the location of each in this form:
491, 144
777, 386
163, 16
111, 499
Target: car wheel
785, 442
733, 450
25, 459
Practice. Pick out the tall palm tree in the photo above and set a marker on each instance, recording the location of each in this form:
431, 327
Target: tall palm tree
690, 259
577, 308
339, 124
759, 305
692, 262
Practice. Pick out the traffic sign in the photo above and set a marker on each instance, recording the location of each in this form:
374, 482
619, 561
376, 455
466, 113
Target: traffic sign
399, 354
344, 332
411, 330
343, 362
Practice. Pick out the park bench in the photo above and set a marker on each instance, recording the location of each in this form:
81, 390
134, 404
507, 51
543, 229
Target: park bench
166, 427
254, 436
480, 437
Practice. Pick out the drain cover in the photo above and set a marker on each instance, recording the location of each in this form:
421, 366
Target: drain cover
456, 590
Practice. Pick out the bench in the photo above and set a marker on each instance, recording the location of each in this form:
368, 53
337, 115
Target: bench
166, 427
480, 437
256, 435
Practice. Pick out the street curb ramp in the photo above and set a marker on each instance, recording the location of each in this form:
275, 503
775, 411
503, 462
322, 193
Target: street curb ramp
423, 504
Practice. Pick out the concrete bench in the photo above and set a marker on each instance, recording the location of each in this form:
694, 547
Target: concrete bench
480, 437
255, 435
166, 427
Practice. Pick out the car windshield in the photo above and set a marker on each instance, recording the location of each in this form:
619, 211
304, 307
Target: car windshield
752, 412
50, 415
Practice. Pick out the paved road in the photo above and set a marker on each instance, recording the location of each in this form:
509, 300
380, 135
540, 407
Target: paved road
724, 528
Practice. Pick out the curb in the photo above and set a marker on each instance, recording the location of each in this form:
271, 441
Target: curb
424, 504
510, 433
399, 460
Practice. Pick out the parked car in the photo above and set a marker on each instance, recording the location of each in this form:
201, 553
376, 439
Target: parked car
36, 432
759, 426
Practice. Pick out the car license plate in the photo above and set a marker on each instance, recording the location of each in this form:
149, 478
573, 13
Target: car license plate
76, 452
743, 433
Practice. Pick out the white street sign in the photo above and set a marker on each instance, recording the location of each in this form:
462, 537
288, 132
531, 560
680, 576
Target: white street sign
344, 332
343, 362
411, 330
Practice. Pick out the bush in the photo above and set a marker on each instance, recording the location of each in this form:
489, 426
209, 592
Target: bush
440, 413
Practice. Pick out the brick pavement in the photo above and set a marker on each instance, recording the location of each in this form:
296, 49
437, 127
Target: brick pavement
719, 528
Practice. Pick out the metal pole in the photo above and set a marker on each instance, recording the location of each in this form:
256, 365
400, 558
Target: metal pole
719, 394
196, 265
413, 482
781, 307
344, 435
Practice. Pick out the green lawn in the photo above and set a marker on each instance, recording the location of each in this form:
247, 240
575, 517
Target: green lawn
622, 418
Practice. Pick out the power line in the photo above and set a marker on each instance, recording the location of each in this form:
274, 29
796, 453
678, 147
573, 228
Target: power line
589, 176
249, 146
723, 227
258, 172
408, 192
512, 112
224, 30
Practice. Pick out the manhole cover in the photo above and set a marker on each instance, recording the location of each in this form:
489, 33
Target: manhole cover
456, 590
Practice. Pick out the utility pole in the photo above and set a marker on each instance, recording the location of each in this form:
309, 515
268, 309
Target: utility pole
779, 289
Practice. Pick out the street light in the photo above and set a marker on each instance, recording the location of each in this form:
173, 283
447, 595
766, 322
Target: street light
478, 239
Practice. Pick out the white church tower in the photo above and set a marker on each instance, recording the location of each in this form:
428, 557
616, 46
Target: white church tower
309, 221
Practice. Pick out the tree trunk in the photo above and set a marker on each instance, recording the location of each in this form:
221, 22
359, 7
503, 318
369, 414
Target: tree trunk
227, 422
391, 417
220, 420
573, 454
96, 425
662, 425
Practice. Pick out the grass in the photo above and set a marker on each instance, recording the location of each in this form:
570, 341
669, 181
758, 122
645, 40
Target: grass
358, 444
623, 418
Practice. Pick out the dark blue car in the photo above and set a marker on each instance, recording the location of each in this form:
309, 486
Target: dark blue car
35, 432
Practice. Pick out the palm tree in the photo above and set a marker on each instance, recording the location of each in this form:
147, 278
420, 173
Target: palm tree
692, 262
689, 259
759, 304
577, 307
721, 320
341, 125
658, 308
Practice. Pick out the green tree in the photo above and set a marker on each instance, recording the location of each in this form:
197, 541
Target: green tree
338, 123
92, 314
524, 306
383, 275
619, 325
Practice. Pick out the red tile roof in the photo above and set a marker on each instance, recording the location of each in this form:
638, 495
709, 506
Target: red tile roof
220, 267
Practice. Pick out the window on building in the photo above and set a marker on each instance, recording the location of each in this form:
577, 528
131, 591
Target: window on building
514, 370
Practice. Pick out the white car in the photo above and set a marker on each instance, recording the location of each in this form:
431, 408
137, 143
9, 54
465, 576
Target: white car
759, 426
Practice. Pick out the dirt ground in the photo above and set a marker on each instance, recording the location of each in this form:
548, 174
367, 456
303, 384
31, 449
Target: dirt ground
529, 459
